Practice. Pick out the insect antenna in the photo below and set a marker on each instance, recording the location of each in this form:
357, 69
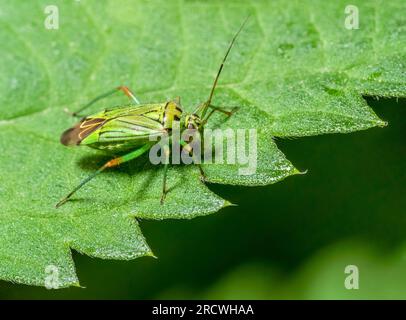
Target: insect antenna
208, 102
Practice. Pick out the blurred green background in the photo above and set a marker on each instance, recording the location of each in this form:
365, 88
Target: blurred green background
289, 240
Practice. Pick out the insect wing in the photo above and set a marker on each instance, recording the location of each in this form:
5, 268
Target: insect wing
127, 127
130, 127
75, 135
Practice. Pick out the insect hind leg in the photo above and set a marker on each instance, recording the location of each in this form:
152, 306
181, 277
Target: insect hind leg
128, 93
110, 164
124, 89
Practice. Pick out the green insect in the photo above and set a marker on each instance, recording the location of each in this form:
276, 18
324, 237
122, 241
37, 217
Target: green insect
128, 129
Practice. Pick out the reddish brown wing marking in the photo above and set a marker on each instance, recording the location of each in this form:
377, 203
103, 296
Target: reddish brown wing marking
73, 136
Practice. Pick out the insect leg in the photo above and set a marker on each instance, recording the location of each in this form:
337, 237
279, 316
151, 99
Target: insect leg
164, 189
223, 110
129, 94
214, 109
190, 150
124, 89
112, 163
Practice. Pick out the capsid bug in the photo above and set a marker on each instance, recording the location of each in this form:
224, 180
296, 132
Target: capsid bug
129, 128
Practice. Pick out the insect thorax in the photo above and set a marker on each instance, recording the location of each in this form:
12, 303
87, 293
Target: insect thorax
172, 112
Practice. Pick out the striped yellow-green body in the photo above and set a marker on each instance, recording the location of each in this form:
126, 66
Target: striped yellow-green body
125, 127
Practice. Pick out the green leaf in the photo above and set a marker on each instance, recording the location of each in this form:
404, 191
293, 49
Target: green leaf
295, 71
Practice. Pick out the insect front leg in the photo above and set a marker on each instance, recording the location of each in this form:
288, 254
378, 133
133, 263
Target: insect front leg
110, 164
124, 89
187, 147
167, 153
